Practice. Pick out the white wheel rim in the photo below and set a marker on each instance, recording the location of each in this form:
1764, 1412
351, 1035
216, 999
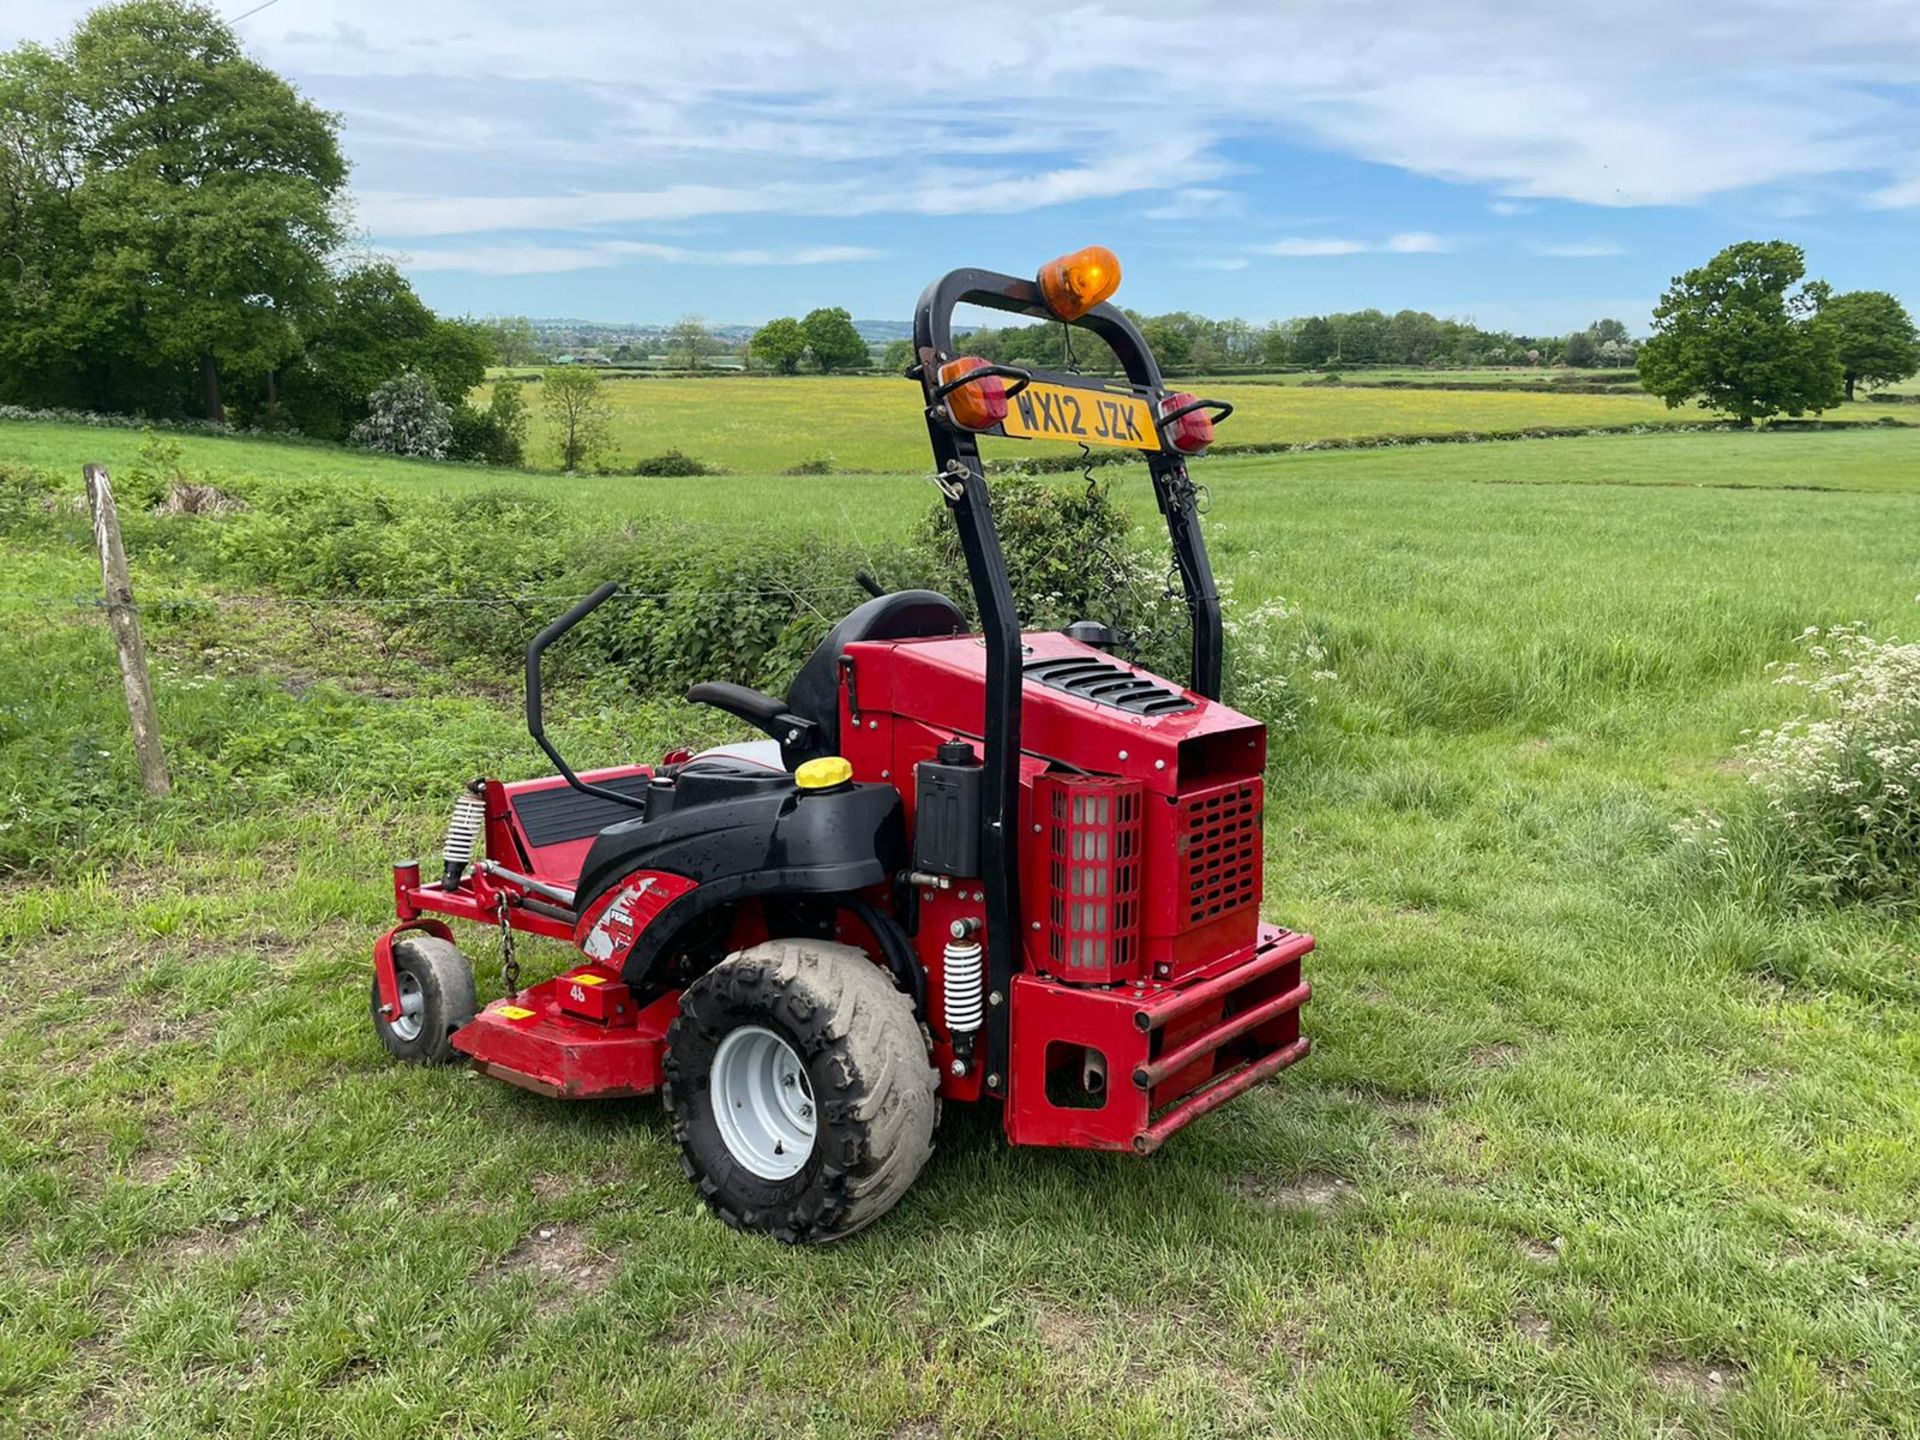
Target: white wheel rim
406, 1025
763, 1103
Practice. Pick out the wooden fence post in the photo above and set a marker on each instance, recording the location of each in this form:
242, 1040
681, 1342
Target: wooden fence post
124, 620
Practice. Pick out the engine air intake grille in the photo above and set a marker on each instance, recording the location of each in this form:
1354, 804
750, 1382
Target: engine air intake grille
1093, 875
1219, 849
1107, 683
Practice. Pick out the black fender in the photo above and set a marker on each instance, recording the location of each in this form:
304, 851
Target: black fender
777, 842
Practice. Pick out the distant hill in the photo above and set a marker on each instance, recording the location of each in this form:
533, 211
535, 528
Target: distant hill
568, 333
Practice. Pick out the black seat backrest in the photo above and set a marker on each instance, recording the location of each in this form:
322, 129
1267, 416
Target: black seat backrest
901, 615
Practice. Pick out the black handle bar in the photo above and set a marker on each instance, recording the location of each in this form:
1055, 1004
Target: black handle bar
535, 727
1023, 378
1222, 408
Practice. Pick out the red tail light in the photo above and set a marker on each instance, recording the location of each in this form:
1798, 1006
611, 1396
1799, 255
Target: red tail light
979, 404
1191, 432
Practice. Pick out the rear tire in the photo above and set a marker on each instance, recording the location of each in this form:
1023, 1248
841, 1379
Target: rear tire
436, 986
800, 1043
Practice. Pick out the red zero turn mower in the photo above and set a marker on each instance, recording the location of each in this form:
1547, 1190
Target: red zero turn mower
999, 867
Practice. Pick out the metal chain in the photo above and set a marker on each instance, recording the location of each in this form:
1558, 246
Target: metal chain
509, 965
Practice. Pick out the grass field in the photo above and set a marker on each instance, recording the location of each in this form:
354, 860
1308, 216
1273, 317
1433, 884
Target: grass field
764, 426
1588, 1145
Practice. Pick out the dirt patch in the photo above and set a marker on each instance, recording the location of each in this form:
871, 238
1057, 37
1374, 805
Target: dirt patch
561, 1259
1534, 1326
1542, 1252
1707, 1384
1063, 1332
1494, 1057
738, 1313
1315, 1190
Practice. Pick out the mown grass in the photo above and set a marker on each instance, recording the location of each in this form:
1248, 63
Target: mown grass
1588, 1144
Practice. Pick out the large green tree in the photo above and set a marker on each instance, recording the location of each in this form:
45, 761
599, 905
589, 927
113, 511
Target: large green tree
1739, 336
780, 345
1874, 335
169, 209
370, 328
833, 342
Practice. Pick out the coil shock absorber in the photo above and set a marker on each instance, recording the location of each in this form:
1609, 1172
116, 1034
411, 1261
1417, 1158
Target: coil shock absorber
963, 970
463, 837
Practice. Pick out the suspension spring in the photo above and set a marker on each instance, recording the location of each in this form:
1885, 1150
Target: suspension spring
963, 966
463, 835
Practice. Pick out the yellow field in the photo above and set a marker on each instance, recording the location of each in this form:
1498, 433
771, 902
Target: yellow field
764, 425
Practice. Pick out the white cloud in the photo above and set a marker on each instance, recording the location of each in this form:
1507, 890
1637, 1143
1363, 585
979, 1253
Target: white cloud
1219, 262
1580, 250
1901, 195
532, 259
1195, 204
1298, 247
1508, 209
759, 106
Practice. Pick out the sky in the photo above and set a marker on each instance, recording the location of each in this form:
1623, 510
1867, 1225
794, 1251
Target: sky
1530, 167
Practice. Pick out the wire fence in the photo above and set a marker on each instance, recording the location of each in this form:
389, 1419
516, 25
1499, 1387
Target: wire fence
428, 599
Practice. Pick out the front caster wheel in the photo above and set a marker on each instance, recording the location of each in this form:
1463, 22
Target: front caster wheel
436, 999
801, 1090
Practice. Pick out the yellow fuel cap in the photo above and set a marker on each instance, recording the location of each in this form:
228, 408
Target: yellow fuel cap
824, 773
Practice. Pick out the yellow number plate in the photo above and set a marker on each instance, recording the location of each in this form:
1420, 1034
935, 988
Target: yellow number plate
1060, 412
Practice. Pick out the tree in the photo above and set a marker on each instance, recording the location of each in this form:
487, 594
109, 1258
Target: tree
1581, 351
371, 328
1416, 337
1736, 336
897, 356
780, 345
1363, 338
691, 341
496, 435
176, 201
1170, 341
1874, 336
514, 339
405, 417
833, 342
574, 400
1605, 330
1313, 342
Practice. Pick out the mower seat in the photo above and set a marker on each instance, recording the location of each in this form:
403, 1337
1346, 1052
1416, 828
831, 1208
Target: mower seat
807, 722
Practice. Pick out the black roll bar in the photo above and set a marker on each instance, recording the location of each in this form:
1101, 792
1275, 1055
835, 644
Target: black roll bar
535, 727
962, 481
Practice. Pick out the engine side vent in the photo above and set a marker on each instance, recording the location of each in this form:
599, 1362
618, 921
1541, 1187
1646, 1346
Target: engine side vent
1104, 682
1093, 875
1218, 832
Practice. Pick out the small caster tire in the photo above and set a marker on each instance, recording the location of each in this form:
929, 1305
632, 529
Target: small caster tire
802, 1090
436, 993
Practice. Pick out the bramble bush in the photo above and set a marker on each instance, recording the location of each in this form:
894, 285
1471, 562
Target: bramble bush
1070, 557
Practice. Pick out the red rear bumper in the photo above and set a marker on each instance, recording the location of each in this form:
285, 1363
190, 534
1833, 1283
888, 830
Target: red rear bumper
1171, 1053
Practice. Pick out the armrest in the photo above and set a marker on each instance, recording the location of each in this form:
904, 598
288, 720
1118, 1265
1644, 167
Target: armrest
753, 706
760, 710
